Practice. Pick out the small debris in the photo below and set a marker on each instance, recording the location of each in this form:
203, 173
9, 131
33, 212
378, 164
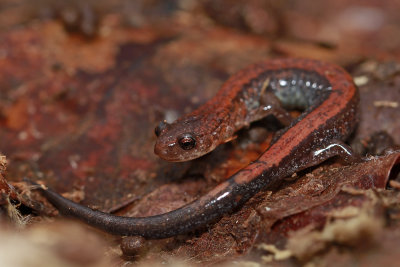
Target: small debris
277, 254
386, 104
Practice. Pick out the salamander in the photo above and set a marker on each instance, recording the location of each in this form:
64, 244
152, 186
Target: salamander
324, 92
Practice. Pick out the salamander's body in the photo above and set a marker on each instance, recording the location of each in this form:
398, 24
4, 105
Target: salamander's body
324, 91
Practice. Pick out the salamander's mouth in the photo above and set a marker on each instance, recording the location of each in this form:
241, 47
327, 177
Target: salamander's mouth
176, 154
169, 154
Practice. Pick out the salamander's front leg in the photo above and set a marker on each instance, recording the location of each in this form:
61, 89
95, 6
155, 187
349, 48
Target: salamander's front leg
332, 149
270, 105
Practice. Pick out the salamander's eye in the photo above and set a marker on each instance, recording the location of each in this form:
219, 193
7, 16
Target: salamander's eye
160, 127
186, 142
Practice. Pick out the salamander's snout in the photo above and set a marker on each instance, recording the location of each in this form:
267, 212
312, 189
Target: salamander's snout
160, 151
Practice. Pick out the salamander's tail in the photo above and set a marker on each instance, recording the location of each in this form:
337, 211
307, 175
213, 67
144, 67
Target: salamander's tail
180, 221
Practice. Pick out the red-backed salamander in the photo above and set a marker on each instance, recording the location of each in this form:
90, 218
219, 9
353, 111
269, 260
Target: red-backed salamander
329, 100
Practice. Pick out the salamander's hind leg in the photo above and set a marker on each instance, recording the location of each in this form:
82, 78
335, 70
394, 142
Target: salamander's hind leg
332, 149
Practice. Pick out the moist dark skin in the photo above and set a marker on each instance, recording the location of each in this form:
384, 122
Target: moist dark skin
324, 91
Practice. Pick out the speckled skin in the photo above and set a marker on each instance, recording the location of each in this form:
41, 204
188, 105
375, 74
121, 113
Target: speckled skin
330, 102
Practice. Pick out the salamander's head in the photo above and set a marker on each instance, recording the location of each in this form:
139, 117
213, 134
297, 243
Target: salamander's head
182, 140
